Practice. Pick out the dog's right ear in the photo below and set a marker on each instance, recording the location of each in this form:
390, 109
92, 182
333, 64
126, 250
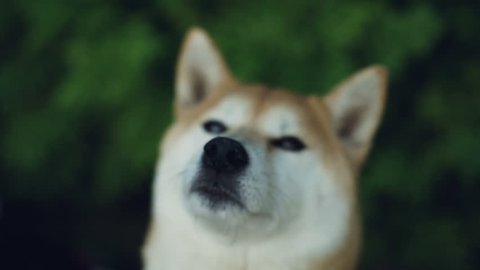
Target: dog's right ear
200, 70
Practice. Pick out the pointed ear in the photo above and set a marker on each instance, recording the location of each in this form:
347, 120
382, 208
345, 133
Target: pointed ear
356, 107
200, 69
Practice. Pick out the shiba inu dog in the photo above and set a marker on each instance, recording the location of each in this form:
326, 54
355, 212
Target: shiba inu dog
256, 178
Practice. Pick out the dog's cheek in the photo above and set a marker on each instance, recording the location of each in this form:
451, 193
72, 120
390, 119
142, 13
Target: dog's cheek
296, 181
284, 189
179, 151
256, 180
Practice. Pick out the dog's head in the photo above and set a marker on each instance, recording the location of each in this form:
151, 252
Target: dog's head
249, 163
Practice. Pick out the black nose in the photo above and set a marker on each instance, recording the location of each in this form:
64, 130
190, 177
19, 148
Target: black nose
224, 155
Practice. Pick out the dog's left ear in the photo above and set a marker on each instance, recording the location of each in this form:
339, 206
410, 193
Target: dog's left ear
356, 107
200, 69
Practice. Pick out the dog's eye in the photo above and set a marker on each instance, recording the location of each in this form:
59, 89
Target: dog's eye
214, 127
289, 143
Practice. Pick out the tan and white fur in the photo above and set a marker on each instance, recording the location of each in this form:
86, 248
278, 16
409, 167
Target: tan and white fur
298, 209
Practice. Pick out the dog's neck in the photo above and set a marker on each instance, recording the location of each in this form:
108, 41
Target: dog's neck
167, 250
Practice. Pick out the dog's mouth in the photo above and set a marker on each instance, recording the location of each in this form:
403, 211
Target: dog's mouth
217, 196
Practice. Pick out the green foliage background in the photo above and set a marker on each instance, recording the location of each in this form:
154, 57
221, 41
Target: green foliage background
86, 89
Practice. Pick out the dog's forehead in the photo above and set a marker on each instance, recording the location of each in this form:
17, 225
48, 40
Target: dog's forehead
273, 112
282, 113
279, 120
236, 109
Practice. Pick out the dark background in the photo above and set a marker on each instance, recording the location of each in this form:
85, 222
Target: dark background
86, 88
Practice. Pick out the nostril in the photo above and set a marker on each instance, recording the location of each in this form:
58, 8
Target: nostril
237, 157
232, 158
210, 149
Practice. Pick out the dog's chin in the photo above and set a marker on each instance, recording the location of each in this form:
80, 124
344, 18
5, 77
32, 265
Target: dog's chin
218, 197
219, 209
215, 204
225, 213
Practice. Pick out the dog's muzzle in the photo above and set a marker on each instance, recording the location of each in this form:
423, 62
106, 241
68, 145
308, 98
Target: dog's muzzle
222, 163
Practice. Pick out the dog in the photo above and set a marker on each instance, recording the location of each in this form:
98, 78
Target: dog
251, 177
